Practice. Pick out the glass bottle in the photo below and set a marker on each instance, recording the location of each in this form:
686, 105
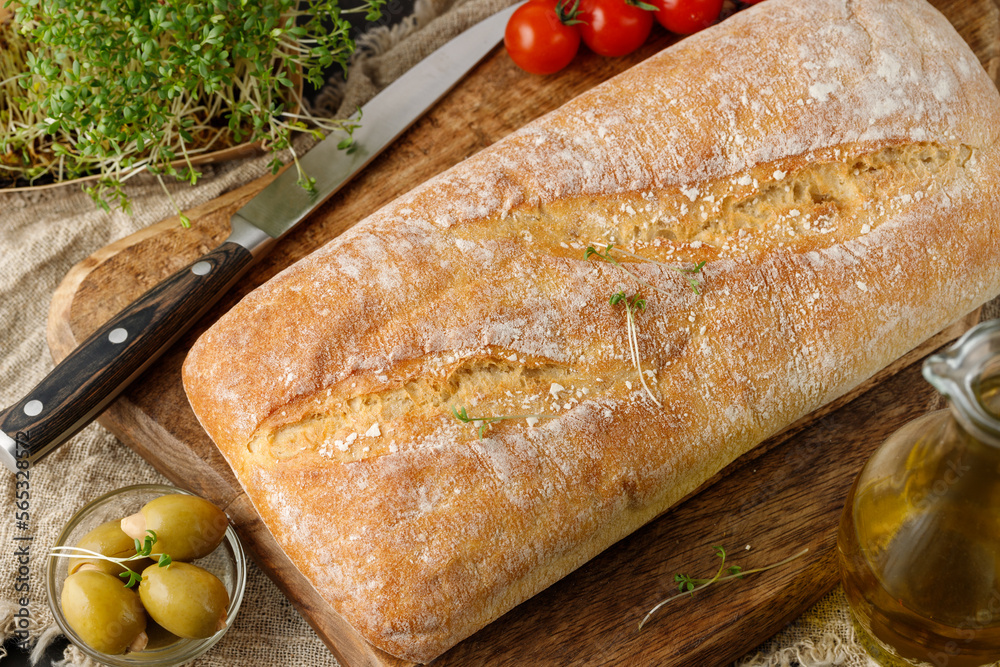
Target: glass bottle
919, 539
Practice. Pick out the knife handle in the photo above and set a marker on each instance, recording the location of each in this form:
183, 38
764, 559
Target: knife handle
87, 380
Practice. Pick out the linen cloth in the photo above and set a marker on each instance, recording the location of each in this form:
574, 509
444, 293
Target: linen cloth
44, 233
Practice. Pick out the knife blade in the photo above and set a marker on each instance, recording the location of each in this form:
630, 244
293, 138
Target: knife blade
88, 379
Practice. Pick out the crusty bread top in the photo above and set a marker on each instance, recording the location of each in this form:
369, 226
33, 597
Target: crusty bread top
833, 162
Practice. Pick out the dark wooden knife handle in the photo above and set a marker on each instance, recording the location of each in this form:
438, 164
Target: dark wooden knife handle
87, 380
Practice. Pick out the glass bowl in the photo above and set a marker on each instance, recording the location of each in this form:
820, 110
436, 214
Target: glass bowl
227, 562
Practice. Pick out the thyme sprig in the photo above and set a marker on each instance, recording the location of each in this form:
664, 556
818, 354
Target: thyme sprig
482, 424
606, 256
142, 550
632, 304
690, 585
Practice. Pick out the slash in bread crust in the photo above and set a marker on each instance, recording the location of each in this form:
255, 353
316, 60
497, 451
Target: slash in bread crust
834, 163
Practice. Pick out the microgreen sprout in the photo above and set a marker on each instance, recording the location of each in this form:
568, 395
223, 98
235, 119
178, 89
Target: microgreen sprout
483, 423
606, 256
633, 304
688, 584
691, 585
347, 143
143, 549
148, 86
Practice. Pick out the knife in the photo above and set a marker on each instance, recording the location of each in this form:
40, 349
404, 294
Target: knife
87, 380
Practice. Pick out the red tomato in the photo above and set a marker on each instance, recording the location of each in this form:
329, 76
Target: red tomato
685, 17
614, 27
538, 39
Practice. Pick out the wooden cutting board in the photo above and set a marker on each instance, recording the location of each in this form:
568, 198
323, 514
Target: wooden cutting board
782, 497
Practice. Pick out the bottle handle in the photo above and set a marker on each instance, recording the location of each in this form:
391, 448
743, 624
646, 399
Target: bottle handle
959, 373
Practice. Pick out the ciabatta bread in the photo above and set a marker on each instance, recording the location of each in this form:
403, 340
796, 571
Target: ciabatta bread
833, 162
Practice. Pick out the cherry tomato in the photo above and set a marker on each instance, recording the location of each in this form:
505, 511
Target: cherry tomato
685, 17
614, 27
539, 40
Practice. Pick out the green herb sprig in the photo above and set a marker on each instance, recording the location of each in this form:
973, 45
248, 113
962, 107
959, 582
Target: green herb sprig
143, 550
632, 305
693, 283
482, 424
144, 84
690, 585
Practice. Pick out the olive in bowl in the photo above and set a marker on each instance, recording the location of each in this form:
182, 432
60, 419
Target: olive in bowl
91, 593
109, 540
104, 613
187, 527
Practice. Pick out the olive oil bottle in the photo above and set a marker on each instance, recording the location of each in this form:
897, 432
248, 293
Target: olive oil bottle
919, 539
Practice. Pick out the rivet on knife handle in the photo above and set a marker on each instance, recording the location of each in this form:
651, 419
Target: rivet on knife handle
96, 371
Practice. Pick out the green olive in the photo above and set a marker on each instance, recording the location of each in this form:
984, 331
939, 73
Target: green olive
185, 599
187, 527
107, 616
107, 539
159, 637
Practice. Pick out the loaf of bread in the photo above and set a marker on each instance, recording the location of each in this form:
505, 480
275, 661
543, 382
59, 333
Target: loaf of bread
834, 164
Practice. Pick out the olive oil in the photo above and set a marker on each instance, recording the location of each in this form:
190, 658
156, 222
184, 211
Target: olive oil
932, 596
919, 539
989, 394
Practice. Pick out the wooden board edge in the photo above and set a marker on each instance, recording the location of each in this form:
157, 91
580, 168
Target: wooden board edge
994, 66
58, 331
810, 585
824, 582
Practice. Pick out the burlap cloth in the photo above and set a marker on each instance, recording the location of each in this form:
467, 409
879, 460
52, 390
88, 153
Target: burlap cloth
43, 234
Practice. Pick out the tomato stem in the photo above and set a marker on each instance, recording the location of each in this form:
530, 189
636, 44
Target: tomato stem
568, 16
641, 5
